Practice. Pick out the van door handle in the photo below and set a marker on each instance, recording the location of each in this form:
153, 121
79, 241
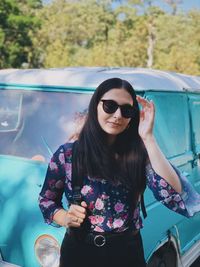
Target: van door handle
197, 160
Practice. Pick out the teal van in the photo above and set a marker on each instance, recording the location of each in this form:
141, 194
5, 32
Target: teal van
41, 109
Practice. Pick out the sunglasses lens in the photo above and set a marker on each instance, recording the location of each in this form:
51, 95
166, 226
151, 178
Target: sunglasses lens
127, 111
109, 106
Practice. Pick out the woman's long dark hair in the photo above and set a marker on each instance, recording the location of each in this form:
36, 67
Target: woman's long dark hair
97, 159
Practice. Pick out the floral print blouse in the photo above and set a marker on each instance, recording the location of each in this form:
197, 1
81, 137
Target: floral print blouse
109, 204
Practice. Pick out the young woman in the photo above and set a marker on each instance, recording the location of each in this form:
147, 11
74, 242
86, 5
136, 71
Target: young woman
115, 156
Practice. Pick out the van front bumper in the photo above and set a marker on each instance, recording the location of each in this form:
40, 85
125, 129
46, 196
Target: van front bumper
6, 264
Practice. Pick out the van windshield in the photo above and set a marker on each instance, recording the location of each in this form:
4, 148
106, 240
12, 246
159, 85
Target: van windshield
34, 123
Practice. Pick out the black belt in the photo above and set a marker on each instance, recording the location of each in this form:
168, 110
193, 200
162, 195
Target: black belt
99, 239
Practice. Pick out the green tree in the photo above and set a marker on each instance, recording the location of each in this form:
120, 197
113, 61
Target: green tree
71, 26
129, 33
16, 24
177, 47
91, 33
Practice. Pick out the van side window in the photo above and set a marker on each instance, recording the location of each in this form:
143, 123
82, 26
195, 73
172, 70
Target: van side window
172, 128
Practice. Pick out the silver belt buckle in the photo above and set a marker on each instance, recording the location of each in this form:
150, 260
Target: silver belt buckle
99, 240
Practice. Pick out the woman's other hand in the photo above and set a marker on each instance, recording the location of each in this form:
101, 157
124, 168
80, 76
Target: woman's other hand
74, 217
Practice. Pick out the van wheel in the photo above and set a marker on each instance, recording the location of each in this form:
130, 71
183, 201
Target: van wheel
164, 257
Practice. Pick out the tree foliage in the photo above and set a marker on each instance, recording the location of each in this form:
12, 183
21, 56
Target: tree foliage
134, 33
16, 24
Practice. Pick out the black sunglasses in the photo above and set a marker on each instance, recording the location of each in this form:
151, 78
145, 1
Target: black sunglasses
110, 106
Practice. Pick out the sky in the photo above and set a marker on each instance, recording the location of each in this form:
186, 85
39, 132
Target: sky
184, 7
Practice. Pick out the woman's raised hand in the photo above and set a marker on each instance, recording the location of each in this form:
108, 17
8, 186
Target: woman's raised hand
75, 215
147, 115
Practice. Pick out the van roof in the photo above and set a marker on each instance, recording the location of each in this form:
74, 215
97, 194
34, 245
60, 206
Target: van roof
91, 77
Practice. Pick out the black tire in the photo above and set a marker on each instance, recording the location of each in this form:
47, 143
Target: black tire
165, 257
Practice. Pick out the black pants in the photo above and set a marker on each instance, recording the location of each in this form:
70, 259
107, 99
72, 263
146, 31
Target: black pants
128, 253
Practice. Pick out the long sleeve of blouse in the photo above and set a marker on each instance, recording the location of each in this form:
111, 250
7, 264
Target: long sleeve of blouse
50, 198
187, 203
108, 203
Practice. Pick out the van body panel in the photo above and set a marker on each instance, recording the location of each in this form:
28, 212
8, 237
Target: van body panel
21, 220
40, 110
172, 122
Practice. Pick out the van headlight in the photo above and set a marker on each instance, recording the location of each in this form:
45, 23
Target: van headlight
47, 250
